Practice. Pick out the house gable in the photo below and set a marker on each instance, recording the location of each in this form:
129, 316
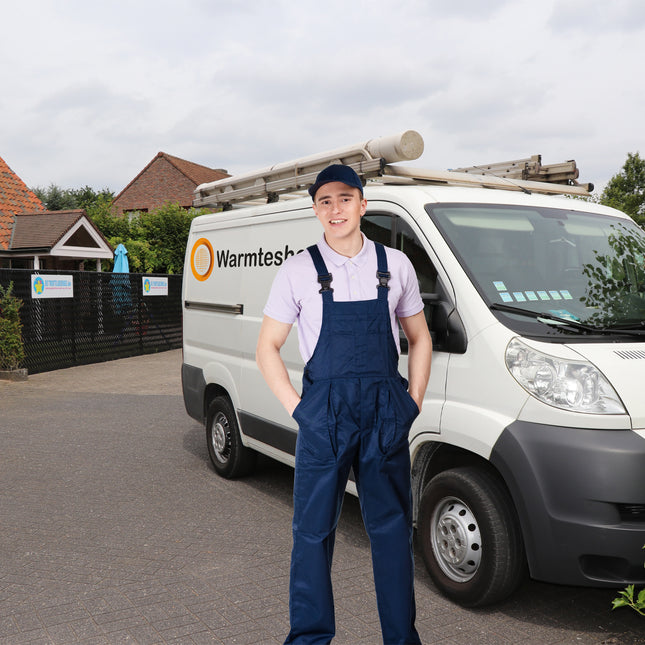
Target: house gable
164, 179
82, 240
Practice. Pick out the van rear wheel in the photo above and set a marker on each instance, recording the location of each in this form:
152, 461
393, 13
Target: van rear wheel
470, 538
229, 456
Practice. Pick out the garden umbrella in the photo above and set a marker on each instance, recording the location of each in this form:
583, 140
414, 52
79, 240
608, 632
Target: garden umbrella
121, 283
121, 264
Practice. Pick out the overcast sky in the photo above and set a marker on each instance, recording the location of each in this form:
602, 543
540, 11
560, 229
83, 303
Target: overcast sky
91, 91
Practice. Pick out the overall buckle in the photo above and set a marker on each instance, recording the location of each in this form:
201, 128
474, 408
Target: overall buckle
383, 278
325, 281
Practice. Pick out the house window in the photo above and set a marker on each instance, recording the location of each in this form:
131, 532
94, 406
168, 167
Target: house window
134, 214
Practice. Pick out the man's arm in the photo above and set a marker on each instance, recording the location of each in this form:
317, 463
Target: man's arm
273, 335
419, 355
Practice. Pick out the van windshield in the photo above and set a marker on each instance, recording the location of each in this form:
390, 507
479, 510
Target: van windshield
577, 267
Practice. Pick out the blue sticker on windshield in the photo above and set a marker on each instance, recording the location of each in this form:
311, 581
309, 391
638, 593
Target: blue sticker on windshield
531, 295
506, 297
555, 295
543, 295
499, 285
564, 314
519, 296
566, 294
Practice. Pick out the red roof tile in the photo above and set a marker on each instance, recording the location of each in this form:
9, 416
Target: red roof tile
15, 198
195, 172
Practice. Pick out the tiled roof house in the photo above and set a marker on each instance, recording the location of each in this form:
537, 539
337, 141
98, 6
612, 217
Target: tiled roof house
15, 198
33, 238
164, 179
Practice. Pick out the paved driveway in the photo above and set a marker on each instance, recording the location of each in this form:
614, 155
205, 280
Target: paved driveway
114, 529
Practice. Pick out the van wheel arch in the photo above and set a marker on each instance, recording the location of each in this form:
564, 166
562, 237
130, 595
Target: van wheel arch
435, 457
211, 392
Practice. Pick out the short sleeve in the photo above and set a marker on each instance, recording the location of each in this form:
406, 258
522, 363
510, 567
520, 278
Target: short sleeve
410, 302
281, 304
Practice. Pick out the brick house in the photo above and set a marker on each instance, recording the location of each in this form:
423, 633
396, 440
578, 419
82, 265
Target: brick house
33, 238
164, 179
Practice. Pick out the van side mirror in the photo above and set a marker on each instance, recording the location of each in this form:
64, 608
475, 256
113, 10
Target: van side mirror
445, 324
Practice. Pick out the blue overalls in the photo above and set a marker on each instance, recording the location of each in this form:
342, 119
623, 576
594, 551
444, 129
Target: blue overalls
355, 413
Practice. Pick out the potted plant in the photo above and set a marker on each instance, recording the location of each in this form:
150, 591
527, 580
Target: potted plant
12, 351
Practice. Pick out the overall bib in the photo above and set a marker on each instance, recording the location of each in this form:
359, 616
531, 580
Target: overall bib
355, 413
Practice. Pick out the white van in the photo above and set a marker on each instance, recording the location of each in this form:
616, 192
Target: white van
529, 454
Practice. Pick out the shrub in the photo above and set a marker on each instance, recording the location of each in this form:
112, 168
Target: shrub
12, 351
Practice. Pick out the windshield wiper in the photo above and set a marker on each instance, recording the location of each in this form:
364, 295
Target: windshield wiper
631, 327
553, 320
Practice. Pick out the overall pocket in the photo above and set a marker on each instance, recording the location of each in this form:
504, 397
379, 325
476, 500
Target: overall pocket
396, 410
313, 414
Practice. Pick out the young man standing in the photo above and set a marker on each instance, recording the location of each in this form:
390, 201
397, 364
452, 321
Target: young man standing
356, 410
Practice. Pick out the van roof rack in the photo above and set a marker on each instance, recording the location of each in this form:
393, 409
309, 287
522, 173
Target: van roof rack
374, 160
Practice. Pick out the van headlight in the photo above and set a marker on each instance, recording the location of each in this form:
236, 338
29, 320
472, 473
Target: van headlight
575, 386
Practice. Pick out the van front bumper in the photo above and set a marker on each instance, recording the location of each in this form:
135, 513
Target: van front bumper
580, 497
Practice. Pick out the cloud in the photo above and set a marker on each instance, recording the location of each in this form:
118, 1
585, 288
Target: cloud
598, 18
91, 92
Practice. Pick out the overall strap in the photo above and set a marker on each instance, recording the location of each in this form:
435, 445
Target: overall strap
382, 273
324, 277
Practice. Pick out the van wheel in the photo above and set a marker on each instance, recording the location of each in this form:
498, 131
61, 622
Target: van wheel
229, 457
470, 538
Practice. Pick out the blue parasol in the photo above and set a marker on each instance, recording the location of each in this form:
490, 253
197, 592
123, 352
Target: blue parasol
121, 283
121, 264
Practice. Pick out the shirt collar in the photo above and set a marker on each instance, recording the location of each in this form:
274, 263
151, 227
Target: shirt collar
339, 260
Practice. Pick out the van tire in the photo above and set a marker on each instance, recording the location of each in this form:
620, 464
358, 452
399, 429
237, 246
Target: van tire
470, 538
229, 456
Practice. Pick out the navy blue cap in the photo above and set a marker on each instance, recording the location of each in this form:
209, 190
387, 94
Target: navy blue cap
336, 172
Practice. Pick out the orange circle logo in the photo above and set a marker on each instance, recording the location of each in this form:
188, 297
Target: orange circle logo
201, 259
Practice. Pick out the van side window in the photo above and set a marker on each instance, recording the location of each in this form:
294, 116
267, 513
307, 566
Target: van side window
392, 231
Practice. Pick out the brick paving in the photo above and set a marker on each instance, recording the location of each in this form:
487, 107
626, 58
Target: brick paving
114, 529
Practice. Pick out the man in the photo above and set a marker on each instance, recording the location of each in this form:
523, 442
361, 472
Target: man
356, 409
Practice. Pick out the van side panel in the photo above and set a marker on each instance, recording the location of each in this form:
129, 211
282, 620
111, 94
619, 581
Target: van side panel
223, 314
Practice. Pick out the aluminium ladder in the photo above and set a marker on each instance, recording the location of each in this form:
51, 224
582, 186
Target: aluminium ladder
375, 160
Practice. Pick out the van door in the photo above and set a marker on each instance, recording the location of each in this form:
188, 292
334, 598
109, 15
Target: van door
394, 227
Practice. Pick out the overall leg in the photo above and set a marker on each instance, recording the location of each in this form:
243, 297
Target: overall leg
383, 480
319, 487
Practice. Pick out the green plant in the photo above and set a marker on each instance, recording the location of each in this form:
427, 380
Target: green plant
156, 241
12, 351
626, 599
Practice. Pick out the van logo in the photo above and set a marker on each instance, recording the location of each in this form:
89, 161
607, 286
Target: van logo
201, 259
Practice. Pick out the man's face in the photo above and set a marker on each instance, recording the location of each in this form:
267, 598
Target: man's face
339, 208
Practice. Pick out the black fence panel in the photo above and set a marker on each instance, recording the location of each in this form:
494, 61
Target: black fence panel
109, 316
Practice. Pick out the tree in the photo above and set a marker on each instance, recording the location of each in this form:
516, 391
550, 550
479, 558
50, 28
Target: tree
626, 190
55, 198
156, 241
